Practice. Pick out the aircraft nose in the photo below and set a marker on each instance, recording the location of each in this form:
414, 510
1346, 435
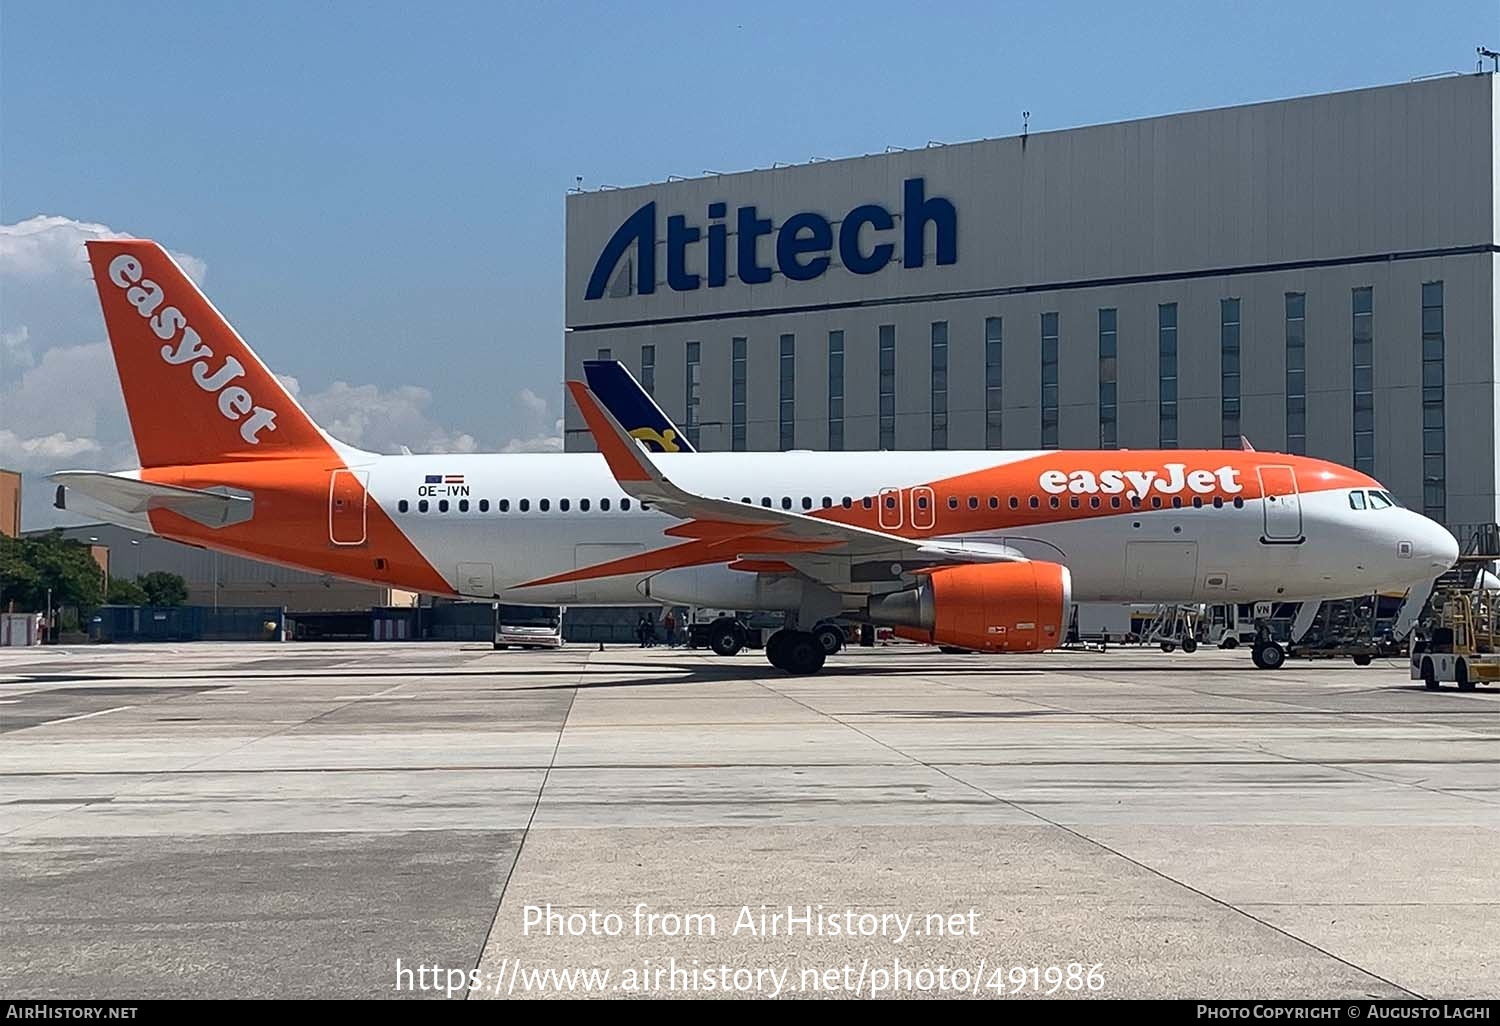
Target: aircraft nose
1435, 545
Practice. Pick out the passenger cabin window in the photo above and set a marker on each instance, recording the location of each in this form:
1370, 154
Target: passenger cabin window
604, 505
422, 506
484, 505
544, 504
504, 505
463, 505
583, 504
525, 505
403, 506
442, 505
562, 504
625, 505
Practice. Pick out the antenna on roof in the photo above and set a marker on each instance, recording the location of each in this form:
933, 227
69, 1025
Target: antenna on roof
577, 184
1025, 123
895, 149
1491, 55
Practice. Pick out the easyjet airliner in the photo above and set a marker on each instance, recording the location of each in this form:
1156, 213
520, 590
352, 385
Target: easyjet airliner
977, 550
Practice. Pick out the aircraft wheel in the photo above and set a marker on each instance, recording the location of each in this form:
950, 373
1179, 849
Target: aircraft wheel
830, 637
1268, 656
1429, 675
1461, 675
776, 647
1190, 645
802, 654
1362, 660
726, 637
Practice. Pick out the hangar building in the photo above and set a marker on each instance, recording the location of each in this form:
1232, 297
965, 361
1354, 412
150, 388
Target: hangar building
1319, 275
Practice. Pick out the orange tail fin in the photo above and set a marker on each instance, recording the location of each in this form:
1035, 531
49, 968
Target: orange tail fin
194, 391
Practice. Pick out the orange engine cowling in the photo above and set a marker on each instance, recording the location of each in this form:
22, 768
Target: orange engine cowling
987, 607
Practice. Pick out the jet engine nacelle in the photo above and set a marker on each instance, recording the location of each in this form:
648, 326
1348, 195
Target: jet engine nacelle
987, 607
718, 587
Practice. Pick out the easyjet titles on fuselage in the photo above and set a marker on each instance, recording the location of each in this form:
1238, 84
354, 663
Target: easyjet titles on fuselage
1172, 479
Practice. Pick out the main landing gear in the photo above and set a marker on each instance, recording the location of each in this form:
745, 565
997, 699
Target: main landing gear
797, 652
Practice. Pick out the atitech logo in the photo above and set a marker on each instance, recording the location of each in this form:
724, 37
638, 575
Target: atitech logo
805, 243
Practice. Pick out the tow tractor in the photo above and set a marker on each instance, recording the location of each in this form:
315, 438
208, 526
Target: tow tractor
1458, 636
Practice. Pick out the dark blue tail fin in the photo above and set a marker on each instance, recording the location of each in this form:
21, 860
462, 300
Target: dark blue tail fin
636, 411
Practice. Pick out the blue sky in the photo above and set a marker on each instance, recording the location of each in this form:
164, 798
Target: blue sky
377, 189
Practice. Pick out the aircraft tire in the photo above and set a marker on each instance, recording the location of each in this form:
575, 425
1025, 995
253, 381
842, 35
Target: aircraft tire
1268, 656
775, 649
1190, 645
802, 654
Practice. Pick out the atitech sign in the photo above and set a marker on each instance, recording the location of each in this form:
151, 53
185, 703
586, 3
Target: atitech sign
805, 243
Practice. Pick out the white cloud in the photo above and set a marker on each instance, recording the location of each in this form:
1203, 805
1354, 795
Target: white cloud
382, 420
542, 430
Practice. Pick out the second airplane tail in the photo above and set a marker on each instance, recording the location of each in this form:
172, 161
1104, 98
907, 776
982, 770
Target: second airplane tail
194, 391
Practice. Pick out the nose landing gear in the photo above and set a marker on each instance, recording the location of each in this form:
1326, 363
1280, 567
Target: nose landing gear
1268, 655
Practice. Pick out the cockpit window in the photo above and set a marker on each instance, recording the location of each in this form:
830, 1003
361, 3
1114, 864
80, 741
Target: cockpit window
1393, 500
1378, 500
1356, 499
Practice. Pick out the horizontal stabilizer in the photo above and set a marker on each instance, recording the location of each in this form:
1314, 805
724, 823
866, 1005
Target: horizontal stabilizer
218, 507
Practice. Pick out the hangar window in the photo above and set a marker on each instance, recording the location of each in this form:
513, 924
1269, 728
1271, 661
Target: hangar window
525, 505
422, 506
1296, 372
583, 505
484, 505
1049, 381
544, 505
403, 505
463, 505
604, 505
625, 505
442, 505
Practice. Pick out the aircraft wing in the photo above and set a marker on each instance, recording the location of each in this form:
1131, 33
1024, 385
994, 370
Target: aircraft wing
132, 495
842, 556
